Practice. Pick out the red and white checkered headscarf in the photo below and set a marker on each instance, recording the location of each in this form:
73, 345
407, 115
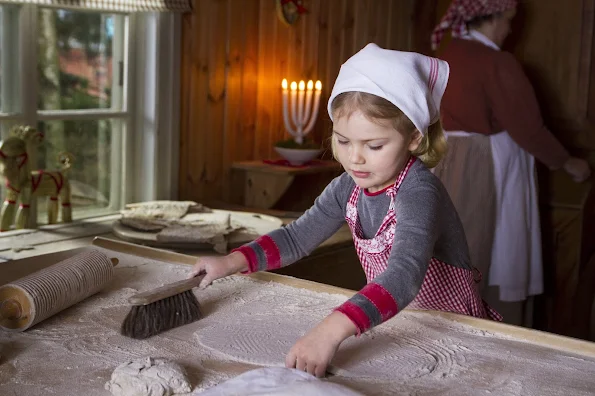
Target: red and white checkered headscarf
462, 11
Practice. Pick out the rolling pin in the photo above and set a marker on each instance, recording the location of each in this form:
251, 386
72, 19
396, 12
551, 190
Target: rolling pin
29, 300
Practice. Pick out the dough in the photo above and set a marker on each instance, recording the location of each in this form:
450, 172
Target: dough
181, 222
148, 377
162, 210
144, 224
213, 231
278, 381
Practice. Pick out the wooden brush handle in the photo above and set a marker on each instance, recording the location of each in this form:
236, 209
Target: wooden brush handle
166, 291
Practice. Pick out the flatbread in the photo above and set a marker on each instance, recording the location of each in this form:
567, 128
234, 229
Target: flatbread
162, 210
213, 233
144, 224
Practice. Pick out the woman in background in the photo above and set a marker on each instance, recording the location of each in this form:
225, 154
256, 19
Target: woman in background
495, 132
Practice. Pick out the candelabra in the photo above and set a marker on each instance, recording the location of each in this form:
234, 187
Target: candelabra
303, 108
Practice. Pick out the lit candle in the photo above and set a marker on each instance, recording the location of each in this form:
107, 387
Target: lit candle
318, 87
285, 107
308, 109
301, 119
293, 87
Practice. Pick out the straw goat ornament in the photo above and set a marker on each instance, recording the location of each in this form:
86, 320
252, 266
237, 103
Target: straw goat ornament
22, 183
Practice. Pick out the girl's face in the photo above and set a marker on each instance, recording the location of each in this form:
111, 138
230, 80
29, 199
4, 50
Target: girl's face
372, 153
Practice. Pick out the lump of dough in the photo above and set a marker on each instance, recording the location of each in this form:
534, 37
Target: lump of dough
148, 377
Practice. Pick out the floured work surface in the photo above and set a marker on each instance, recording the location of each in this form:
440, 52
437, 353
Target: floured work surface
249, 323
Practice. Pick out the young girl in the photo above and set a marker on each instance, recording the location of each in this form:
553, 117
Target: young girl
386, 133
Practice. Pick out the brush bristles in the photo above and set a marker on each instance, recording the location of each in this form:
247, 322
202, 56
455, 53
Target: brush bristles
144, 321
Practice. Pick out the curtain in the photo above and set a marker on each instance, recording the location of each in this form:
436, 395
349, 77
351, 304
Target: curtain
112, 5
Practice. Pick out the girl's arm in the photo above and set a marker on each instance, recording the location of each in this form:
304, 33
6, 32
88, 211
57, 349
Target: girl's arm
288, 244
418, 216
313, 352
418, 211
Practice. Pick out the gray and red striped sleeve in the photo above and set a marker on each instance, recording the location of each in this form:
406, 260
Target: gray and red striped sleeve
416, 231
298, 239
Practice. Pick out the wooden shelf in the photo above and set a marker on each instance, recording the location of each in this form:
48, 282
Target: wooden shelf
270, 186
316, 167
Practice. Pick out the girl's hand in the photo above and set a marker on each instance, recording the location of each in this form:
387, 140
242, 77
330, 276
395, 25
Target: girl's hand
314, 351
219, 267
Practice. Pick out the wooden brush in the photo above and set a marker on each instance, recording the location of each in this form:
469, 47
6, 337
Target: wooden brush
164, 308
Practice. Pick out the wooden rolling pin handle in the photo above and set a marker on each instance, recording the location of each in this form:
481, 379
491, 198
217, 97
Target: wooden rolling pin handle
166, 291
11, 309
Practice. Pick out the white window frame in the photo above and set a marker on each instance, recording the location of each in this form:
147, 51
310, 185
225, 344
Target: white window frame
158, 50
150, 134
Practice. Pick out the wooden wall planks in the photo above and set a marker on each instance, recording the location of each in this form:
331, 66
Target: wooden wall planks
235, 54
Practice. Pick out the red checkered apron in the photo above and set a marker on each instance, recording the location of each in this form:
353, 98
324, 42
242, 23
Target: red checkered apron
445, 287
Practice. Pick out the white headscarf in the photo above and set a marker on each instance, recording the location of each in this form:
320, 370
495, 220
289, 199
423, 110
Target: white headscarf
413, 82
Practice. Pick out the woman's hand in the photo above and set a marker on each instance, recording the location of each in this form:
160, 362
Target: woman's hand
577, 168
314, 351
219, 267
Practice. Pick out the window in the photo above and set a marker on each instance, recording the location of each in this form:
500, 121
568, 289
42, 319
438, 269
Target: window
65, 73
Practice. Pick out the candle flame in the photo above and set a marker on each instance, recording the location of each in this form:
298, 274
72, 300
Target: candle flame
284, 83
293, 85
302, 85
318, 85
310, 85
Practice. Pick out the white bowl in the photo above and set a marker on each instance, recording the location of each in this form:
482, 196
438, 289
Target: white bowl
298, 156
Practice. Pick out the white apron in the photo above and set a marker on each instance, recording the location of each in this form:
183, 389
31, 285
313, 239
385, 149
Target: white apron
516, 265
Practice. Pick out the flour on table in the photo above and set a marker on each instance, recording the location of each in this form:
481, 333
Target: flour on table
148, 377
413, 353
248, 324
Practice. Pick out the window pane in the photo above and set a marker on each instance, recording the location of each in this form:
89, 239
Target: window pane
5, 128
93, 152
77, 69
9, 58
2, 34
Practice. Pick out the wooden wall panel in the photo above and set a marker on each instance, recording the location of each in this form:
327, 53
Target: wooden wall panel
235, 54
555, 45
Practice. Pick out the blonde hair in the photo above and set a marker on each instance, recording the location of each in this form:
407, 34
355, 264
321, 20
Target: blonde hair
433, 144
